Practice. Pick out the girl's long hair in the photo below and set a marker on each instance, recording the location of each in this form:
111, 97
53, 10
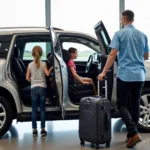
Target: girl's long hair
37, 53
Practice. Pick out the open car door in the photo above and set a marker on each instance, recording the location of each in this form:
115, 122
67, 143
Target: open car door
60, 71
104, 42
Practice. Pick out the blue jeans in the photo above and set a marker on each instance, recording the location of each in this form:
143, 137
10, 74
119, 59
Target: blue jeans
38, 93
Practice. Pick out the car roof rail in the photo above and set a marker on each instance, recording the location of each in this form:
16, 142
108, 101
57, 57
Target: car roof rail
27, 27
30, 27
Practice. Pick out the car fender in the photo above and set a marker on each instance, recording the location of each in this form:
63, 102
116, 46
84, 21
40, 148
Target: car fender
13, 91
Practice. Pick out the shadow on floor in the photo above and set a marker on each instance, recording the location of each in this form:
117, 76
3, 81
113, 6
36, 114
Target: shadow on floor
12, 133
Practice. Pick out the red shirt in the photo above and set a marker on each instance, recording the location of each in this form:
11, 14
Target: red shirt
72, 64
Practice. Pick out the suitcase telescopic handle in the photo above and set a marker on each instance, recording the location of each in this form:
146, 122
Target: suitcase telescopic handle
98, 87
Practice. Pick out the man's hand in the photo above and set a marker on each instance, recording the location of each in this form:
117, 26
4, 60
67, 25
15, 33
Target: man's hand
110, 61
101, 76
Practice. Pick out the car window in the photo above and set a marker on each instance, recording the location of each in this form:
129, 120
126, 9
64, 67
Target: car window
83, 51
106, 42
29, 46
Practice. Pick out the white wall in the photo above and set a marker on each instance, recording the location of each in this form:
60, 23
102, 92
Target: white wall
22, 13
82, 15
142, 14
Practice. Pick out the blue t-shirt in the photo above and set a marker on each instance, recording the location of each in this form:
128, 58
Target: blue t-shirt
131, 45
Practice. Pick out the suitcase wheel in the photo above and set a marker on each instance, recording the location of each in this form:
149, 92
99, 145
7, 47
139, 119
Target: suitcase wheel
97, 146
82, 143
108, 144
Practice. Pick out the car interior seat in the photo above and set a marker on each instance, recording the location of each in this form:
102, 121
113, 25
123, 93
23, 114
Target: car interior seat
19, 75
76, 91
19, 69
17, 55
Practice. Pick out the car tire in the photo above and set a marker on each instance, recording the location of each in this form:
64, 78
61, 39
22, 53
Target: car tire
144, 120
6, 115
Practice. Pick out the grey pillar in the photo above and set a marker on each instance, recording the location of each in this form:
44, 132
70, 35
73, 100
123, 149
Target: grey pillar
48, 12
121, 9
48, 20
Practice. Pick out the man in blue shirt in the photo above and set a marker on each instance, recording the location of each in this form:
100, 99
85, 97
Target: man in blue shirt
131, 47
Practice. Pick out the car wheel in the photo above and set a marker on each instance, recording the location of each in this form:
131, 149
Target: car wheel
6, 115
144, 120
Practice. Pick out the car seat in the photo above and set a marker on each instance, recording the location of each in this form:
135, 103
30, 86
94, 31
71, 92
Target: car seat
19, 75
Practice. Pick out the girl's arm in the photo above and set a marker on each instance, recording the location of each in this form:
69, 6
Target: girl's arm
28, 75
75, 75
47, 72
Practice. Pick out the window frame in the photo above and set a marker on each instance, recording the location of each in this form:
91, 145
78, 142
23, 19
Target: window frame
78, 35
78, 59
43, 58
30, 35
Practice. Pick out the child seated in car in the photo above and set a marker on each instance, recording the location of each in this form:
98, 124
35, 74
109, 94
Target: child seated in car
83, 80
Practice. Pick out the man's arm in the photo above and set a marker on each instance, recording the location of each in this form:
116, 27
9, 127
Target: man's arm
146, 56
115, 45
110, 61
146, 50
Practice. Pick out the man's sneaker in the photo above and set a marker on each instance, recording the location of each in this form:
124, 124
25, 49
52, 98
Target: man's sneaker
133, 140
35, 132
43, 133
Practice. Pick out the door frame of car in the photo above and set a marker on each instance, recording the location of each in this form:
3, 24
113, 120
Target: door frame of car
70, 106
99, 30
8, 81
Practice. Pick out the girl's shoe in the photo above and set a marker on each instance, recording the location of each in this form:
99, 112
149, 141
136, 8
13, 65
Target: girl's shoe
34, 132
43, 133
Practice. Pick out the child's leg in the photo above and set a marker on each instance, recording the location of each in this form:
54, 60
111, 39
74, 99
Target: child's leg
91, 82
42, 93
34, 98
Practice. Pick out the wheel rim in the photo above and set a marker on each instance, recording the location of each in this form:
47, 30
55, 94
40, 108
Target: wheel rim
144, 119
2, 115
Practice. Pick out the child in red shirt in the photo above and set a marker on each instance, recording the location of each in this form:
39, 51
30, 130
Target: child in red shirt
73, 55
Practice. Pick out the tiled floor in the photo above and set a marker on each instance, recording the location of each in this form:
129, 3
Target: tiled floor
63, 135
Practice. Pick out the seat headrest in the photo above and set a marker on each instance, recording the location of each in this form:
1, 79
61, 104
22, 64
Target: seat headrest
49, 54
66, 55
16, 52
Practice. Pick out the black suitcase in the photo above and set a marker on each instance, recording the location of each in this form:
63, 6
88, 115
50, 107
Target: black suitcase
95, 120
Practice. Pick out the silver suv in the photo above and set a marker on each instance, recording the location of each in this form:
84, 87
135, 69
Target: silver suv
15, 54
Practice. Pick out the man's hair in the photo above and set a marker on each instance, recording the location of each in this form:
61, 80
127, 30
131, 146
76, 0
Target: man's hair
128, 14
72, 50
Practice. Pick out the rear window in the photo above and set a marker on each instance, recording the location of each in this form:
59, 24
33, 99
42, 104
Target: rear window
25, 44
46, 47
